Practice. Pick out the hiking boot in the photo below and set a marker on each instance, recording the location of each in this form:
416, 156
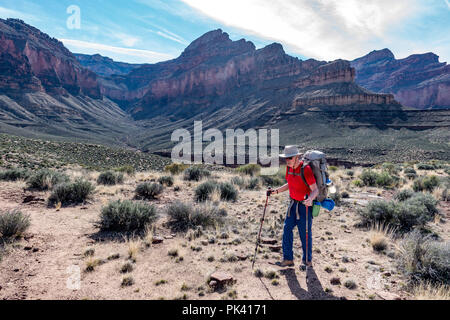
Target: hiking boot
285, 263
309, 264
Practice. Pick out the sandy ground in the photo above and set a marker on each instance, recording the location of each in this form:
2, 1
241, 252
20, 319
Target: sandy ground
46, 263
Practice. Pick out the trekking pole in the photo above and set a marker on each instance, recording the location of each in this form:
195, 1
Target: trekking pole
306, 261
260, 228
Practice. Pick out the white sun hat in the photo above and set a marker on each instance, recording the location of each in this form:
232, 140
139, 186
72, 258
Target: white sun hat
289, 151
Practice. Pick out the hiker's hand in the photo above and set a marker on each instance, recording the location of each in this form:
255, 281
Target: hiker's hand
270, 191
308, 202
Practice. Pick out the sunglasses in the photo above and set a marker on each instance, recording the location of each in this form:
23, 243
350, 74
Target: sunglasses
290, 158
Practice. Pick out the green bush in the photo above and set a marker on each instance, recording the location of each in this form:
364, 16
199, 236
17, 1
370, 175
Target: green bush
350, 173
427, 183
14, 174
425, 166
384, 179
253, 184
422, 259
402, 195
110, 178
184, 216
166, 180
249, 169
195, 173
369, 177
403, 216
46, 179
228, 192
332, 168
13, 223
409, 170
148, 191
358, 183
127, 215
204, 190
175, 168
71, 193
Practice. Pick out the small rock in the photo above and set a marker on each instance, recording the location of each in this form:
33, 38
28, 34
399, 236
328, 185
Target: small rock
168, 237
157, 239
387, 274
212, 283
335, 281
27, 248
345, 259
222, 277
241, 256
275, 248
204, 242
35, 249
268, 241
16, 270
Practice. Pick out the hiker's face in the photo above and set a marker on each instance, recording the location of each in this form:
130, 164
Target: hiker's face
290, 162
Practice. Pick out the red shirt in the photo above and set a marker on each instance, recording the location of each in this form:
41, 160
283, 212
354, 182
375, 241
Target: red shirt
297, 188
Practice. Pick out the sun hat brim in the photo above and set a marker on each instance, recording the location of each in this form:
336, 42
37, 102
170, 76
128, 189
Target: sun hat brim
289, 155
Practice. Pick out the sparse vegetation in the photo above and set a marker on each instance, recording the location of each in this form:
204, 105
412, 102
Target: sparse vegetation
148, 191
422, 259
184, 216
250, 169
195, 173
13, 223
126, 215
110, 178
46, 179
71, 193
14, 174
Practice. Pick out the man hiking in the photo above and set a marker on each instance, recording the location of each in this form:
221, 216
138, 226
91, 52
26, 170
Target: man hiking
296, 212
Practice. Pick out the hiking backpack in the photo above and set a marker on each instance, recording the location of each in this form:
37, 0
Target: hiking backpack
318, 163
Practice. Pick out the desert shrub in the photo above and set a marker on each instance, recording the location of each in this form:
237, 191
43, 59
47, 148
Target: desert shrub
127, 215
423, 259
409, 170
253, 184
357, 183
411, 176
148, 190
175, 168
384, 179
332, 168
195, 173
204, 190
425, 166
404, 194
350, 173
46, 179
129, 170
71, 193
184, 216
272, 180
13, 223
166, 180
228, 192
238, 181
390, 167
110, 178
369, 177
14, 174
427, 183
250, 169
403, 216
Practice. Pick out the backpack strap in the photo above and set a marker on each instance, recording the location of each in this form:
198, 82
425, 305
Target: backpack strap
302, 174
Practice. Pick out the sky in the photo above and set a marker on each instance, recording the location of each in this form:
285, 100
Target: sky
150, 31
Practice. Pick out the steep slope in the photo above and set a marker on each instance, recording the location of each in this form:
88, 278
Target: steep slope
419, 81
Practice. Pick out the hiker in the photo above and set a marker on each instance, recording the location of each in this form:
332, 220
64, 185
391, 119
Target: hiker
296, 212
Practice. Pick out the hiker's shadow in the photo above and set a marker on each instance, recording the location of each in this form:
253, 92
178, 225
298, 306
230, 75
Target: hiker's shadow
315, 290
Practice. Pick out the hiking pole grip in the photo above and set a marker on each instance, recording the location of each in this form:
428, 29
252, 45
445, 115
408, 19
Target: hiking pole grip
259, 233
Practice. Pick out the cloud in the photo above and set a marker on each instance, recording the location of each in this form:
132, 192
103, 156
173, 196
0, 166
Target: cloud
448, 3
322, 29
117, 53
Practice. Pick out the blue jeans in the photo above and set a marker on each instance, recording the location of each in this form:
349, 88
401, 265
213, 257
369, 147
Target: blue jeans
290, 222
